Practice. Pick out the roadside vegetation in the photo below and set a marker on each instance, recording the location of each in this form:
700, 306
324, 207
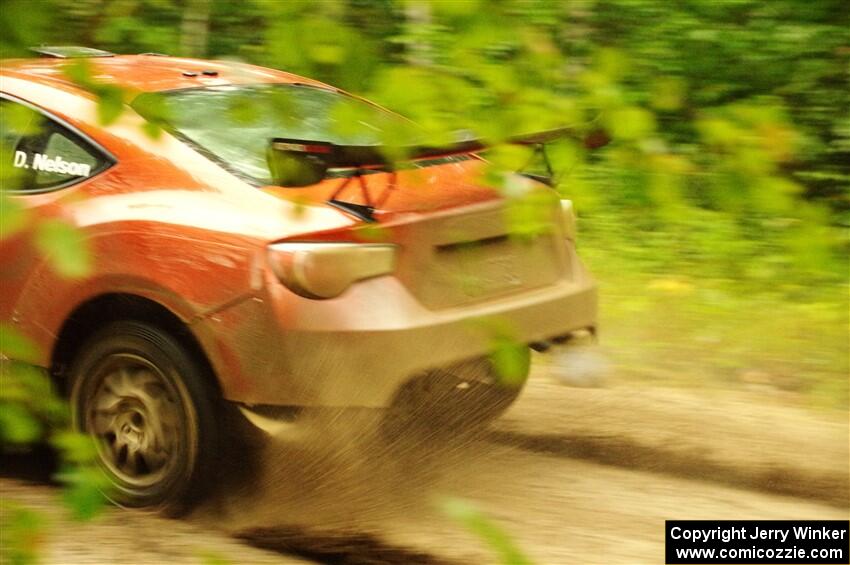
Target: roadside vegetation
716, 219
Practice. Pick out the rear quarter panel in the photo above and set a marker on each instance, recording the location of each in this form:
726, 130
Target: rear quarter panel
163, 223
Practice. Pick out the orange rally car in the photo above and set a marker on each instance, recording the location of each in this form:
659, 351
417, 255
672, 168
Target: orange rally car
226, 277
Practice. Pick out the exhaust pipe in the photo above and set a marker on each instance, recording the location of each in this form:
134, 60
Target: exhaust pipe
582, 335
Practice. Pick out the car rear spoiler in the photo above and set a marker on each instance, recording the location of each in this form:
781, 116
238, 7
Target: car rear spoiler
299, 162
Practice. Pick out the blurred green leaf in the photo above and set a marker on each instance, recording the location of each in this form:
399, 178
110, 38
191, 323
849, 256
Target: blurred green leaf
18, 425
24, 534
76, 448
529, 215
110, 103
243, 110
210, 558
510, 358
157, 111
110, 97
14, 345
83, 490
30, 387
668, 94
64, 247
13, 216
629, 123
466, 514
23, 24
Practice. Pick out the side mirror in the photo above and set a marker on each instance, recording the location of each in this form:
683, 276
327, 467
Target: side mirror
290, 164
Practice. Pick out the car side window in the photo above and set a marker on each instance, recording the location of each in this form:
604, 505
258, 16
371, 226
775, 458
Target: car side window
43, 153
71, 161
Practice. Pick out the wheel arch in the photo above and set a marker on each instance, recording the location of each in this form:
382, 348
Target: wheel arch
100, 310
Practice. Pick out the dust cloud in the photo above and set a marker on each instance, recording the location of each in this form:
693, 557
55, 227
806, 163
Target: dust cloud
341, 471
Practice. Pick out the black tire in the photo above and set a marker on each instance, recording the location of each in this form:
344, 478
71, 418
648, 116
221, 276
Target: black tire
149, 405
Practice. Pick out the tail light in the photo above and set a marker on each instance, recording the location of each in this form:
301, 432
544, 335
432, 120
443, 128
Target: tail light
326, 270
569, 216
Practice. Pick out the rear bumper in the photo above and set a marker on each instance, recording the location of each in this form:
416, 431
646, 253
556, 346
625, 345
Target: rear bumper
359, 348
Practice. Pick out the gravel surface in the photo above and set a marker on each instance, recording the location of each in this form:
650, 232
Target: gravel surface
575, 475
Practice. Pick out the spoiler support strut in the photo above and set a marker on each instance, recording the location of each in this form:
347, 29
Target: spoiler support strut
297, 162
365, 211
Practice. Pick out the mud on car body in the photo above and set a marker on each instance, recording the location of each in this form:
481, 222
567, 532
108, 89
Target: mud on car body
215, 284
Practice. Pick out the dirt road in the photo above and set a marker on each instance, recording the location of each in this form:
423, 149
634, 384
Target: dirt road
574, 475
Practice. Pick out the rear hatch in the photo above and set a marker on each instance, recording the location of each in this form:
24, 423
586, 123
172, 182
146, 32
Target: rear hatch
468, 254
454, 234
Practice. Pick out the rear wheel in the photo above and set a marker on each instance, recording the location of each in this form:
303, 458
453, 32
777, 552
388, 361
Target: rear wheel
146, 402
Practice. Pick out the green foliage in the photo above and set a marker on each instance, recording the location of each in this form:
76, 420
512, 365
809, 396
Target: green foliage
13, 216
28, 403
84, 482
509, 357
719, 212
157, 112
770, 79
17, 426
210, 558
22, 24
110, 97
24, 531
84, 485
64, 247
30, 410
13, 345
529, 212
486, 529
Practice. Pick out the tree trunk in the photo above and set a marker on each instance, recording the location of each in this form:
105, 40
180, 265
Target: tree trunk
418, 20
195, 28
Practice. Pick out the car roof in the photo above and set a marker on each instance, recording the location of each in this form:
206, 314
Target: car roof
151, 73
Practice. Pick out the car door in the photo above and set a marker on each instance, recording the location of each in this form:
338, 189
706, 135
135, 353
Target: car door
41, 156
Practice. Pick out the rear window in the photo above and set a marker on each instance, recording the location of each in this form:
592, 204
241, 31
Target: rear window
233, 124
